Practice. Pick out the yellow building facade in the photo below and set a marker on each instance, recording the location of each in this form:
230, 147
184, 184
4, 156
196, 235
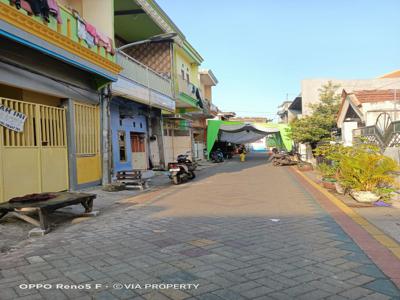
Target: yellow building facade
59, 145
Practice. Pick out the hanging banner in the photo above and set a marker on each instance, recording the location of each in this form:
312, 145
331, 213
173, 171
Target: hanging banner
12, 119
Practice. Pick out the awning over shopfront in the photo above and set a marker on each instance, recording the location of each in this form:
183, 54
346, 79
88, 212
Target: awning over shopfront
243, 133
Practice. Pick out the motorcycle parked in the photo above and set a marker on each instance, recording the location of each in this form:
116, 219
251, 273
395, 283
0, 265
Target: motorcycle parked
184, 159
283, 158
217, 156
182, 170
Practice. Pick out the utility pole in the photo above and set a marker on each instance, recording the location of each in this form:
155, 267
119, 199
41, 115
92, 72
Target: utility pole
106, 145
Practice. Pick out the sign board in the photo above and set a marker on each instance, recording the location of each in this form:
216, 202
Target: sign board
12, 119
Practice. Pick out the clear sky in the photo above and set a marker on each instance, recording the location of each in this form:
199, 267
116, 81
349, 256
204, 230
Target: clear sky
260, 50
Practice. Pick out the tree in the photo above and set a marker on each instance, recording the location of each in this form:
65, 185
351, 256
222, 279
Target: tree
318, 126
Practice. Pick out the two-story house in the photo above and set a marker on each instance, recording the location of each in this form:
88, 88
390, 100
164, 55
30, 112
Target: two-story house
176, 61
144, 87
178, 131
92, 87
56, 63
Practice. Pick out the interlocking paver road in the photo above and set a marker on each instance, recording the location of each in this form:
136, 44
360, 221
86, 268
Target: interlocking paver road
239, 231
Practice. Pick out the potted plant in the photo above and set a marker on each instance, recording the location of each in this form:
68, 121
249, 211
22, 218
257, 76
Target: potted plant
329, 183
340, 189
328, 172
331, 152
365, 172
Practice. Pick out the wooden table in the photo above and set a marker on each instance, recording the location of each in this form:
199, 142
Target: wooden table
44, 208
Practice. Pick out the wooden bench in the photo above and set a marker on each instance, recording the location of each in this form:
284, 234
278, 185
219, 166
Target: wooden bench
45, 207
132, 178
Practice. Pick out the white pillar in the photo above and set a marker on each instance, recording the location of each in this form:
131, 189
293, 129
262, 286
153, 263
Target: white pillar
347, 132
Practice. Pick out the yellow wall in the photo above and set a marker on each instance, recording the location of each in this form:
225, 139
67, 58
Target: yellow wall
88, 168
32, 170
10, 92
39, 98
75, 4
21, 172
29, 96
54, 168
100, 13
183, 60
194, 73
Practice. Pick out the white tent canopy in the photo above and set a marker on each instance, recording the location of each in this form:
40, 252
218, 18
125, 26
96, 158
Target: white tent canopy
244, 133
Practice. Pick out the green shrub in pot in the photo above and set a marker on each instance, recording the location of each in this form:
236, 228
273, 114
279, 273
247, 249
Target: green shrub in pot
360, 168
364, 170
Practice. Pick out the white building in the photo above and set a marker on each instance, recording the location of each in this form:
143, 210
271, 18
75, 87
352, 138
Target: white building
375, 108
310, 90
289, 110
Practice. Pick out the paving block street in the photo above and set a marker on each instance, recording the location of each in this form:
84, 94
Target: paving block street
238, 231
171, 150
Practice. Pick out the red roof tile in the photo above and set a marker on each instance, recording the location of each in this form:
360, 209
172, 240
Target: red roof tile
377, 95
394, 74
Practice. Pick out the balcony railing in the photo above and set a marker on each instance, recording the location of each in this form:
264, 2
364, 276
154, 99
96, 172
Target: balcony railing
389, 138
142, 74
68, 29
